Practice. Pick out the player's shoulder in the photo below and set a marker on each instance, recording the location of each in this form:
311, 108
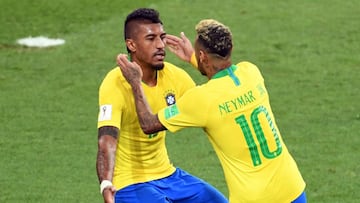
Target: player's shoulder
248, 67
199, 91
201, 94
170, 68
170, 65
113, 78
114, 74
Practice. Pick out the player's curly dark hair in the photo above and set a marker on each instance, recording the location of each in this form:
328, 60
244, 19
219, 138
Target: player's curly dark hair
215, 37
142, 15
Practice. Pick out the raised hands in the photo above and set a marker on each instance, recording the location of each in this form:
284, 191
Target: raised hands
180, 46
130, 70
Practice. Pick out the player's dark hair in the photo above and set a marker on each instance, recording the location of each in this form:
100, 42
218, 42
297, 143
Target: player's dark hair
215, 37
141, 14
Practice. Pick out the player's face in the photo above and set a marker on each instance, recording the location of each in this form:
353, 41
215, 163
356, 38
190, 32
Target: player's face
150, 45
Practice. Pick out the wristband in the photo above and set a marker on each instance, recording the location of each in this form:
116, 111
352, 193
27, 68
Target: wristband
104, 184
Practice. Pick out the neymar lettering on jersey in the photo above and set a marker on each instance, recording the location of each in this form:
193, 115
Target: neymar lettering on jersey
236, 103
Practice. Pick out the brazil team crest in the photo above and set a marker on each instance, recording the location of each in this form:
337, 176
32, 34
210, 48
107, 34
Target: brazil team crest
170, 97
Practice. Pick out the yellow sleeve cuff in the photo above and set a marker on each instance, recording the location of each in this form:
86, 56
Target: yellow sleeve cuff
193, 61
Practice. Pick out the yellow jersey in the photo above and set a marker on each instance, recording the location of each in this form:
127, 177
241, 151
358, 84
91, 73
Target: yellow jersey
234, 110
139, 157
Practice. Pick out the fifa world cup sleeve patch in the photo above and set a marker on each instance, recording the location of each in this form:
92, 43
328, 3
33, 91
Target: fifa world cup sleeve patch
171, 111
105, 112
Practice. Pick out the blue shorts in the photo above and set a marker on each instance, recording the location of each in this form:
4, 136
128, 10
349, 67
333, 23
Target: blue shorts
300, 199
179, 187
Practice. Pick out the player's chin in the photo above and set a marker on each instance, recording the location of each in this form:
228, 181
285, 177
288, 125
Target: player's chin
158, 65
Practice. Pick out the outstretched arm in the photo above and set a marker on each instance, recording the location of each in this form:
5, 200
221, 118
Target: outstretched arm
149, 122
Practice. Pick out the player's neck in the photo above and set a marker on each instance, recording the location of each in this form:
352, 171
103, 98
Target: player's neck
149, 76
221, 64
218, 65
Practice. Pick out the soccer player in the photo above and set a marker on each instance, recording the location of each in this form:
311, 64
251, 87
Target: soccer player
234, 110
134, 167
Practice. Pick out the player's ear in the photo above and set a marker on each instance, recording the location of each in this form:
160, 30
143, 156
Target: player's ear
130, 45
203, 58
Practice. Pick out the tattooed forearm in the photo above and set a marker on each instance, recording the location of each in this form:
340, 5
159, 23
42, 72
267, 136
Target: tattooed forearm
105, 161
148, 121
103, 166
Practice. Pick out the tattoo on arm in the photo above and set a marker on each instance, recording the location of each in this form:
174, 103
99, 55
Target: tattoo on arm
149, 122
105, 162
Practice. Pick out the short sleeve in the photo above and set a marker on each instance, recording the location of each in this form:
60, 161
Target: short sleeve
110, 102
184, 113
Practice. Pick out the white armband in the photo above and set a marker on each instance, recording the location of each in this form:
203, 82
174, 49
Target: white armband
104, 184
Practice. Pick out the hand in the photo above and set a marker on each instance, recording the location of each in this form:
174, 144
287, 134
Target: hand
181, 47
108, 194
130, 70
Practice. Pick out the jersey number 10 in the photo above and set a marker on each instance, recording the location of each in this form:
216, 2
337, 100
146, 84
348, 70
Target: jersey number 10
260, 136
